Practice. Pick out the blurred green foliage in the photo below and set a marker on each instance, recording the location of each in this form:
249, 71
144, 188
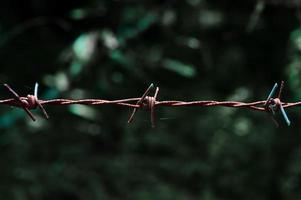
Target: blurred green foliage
192, 50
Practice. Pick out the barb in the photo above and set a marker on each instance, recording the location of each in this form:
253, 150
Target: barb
21, 102
30, 102
140, 102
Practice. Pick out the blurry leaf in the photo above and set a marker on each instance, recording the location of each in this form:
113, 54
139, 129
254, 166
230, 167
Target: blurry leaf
83, 111
180, 68
294, 67
255, 16
84, 46
109, 39
210, 18
130, 31
77, 14
169, 17
296, 39
59, 80
191, 42
146, 21
242, 126
75, 68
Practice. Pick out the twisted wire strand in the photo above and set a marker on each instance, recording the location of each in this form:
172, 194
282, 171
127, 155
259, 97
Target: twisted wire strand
31, 102
130, 102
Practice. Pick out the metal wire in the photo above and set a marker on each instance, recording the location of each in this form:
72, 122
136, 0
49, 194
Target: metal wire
32, 102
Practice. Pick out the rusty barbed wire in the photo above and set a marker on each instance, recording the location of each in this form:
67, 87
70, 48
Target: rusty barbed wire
270, 105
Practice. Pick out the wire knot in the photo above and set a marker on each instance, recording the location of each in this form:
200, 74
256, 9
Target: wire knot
274, 104
30, 102
148, 102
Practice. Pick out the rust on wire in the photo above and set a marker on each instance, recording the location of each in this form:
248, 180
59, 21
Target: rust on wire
270, 105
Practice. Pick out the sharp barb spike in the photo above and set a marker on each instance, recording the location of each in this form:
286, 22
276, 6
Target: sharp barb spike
272, 91
156, 92
43, 110
288, 122
132, 115
16, 96
36, 87
29, 113
280, 90
272, 109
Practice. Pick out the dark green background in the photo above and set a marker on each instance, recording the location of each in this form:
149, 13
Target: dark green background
192, 50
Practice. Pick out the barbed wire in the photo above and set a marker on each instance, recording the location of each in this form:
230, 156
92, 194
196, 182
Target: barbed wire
270, 105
